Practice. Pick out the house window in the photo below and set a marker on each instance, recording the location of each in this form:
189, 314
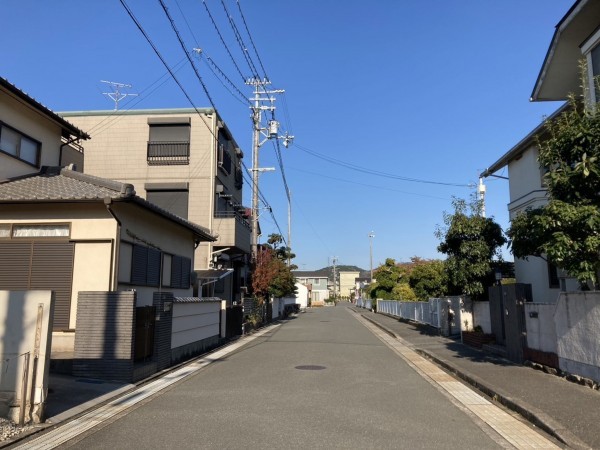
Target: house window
553, 280
180, 272
169, 141
145, 266
4, 231
172, 197
49, 231
595, 72
17, 145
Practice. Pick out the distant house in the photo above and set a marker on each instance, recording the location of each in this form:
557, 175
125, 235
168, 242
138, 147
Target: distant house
360, 285
577, 37
316, 282
187, 162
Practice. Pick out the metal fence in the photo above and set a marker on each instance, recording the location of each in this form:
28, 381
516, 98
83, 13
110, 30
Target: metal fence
441, 313
366, 303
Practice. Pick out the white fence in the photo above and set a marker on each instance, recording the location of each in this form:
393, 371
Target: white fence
195, 320
448, 314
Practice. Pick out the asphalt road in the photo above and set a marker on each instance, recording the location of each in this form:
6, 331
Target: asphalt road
320, 380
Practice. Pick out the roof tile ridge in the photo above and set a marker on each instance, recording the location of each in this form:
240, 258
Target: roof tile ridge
125, 190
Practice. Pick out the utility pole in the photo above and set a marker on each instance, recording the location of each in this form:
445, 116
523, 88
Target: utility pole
289, 227
481, 194
261, 95
371, 236
116, 95
334, 277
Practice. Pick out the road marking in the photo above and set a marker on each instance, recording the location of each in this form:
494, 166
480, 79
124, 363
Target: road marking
508, 427
74, 428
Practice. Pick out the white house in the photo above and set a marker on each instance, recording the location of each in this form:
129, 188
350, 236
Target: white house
576, 38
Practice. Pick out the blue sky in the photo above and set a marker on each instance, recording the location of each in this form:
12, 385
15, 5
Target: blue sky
430, 90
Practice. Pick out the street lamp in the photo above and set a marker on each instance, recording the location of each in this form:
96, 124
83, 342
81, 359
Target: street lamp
371, 236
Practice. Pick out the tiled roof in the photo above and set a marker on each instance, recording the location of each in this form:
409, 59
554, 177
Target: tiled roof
309, 274
65, 185
52, 185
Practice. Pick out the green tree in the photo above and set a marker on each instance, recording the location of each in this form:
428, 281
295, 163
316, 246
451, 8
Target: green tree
471, 242
427, 279
387, 276
566, 231
403, 291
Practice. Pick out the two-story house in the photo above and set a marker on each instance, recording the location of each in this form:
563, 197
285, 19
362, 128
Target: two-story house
187, 162
68, 232
576, 38
316, 282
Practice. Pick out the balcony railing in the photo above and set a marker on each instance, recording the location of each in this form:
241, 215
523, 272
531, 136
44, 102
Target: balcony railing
236, 215
168, 153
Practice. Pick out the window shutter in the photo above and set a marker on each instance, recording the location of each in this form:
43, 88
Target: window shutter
153, 272
139, 265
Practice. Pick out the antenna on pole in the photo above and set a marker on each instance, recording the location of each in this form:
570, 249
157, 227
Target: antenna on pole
116, 95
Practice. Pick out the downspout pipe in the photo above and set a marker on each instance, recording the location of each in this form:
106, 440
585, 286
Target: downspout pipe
108, 203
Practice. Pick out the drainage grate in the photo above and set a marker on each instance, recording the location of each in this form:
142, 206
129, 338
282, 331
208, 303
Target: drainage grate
309, 367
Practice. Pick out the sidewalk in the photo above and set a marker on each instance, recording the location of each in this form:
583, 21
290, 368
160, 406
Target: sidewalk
568, 411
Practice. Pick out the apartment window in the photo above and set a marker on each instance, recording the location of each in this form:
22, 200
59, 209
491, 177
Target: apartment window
172, 197
169, 141
224, 159
18, 145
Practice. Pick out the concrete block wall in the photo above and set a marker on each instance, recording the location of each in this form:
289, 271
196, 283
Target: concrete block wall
577, 321
481, 316
539, 323
104, 336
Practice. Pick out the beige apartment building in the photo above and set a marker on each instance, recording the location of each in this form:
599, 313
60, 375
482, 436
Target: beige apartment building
347, 280
186, 162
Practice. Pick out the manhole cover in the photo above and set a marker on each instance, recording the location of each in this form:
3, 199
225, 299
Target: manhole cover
309, 367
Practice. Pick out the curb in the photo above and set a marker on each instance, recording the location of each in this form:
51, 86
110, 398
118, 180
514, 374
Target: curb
534, 416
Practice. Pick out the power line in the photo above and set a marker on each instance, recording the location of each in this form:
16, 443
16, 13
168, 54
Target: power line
376, 172
240, 41
266, 204
368, 185
223, 40
251, 40
187, 23
187, 54
139, 26
212, 67
277, 148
